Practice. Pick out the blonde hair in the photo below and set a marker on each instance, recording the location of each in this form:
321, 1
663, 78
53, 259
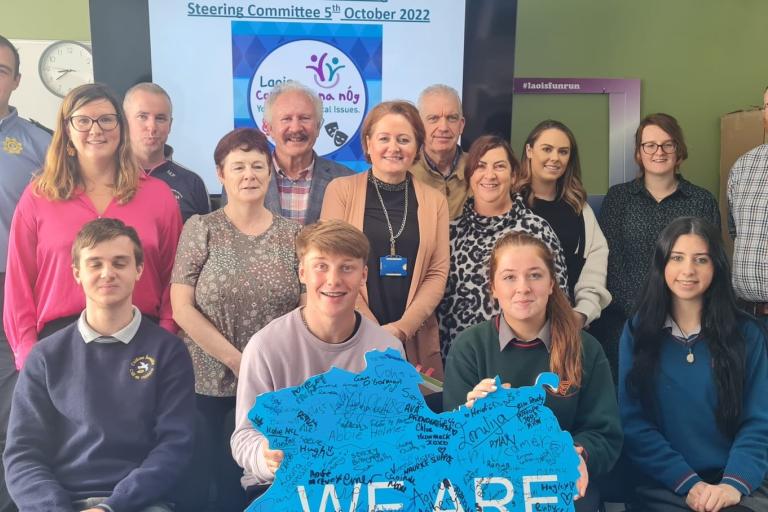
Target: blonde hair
333, 237
61, 173
565, 355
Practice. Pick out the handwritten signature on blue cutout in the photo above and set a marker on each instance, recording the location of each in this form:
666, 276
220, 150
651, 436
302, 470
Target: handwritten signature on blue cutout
368, 442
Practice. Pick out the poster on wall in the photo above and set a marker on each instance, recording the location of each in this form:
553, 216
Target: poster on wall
353, 53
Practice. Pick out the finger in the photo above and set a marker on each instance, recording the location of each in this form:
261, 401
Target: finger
506, 385
711, 500
475, 394
719, 501
486, 385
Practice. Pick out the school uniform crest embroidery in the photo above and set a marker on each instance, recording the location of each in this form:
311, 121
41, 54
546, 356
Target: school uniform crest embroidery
142, 367
12, 146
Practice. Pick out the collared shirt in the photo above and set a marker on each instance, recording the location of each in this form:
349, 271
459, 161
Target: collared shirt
677, 332
124, 335
22, 152
748, 224
294, 193
507, 335
435, 169
631, 220
454, 185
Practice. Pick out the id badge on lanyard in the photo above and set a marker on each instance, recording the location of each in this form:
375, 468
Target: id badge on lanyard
393, 266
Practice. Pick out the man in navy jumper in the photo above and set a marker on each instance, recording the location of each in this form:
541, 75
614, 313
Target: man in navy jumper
103, 412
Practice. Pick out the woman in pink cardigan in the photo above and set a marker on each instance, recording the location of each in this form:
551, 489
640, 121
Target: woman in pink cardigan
89, 172
406, 223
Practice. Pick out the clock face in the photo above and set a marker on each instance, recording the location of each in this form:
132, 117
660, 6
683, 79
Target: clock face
64, 65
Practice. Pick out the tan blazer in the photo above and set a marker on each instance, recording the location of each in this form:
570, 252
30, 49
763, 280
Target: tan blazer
345, 199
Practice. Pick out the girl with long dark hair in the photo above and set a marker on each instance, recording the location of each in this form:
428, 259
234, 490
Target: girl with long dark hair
536, 332
693, 376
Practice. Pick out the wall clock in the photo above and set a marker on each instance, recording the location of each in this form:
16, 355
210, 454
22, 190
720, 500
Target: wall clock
64, 65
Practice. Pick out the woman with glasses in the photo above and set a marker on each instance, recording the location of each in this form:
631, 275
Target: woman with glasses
89, 172
550, 182
634, 213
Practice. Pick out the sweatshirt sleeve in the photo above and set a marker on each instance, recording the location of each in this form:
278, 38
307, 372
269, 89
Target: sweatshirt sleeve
461, 370
646, 446
590, 292
597, 427
30, 481
747, 461
255, 378
20, 310
174, 434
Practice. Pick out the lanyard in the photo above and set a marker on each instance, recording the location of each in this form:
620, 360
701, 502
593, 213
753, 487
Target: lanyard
392, 235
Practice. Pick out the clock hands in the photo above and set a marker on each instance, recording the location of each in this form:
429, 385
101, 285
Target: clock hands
63, 72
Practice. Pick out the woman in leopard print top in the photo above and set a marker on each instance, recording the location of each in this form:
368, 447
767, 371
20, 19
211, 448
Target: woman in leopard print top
488, 214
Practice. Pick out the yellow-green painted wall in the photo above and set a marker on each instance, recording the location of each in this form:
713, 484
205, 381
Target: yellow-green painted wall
697, 59
45, 19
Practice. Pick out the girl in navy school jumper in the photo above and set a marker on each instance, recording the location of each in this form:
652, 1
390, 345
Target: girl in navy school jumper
693, 375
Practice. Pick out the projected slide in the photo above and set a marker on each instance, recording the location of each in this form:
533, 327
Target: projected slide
219, 60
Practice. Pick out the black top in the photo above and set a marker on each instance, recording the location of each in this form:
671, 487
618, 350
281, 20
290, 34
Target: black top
632, 220
187, 187
569, 227
388, 295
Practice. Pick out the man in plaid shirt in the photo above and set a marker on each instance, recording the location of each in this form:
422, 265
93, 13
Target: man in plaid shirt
748, 224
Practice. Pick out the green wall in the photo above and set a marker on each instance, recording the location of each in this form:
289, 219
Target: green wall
697, 59
45, 19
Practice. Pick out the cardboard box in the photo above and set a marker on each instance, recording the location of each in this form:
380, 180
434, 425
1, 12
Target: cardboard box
739, 132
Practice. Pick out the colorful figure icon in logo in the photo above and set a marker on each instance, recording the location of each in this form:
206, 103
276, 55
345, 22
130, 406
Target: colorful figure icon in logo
333, 68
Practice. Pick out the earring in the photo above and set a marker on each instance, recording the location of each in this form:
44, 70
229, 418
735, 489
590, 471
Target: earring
71, 151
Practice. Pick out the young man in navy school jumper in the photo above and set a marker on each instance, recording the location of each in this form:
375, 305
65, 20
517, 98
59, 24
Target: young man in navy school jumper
103, 412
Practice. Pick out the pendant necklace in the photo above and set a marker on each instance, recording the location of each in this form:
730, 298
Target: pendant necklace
690, 358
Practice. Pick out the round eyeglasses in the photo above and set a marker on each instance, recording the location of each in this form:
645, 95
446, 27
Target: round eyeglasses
107, 122
650, 148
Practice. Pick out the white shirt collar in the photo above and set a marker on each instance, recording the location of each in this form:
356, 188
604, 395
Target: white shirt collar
124, 335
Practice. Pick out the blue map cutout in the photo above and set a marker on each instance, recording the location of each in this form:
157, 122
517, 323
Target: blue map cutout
368, 442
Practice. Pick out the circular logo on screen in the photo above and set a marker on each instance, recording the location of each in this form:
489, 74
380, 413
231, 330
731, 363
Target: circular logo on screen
325, 69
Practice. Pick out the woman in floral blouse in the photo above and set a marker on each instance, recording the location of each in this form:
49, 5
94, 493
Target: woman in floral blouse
236, 270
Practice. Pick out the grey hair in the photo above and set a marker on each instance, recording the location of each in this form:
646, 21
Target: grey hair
440, 89
150, 88
293, 86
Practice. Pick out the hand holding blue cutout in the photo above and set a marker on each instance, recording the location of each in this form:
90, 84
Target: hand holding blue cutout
356, 441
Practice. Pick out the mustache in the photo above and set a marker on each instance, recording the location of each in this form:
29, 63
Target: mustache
296, 136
